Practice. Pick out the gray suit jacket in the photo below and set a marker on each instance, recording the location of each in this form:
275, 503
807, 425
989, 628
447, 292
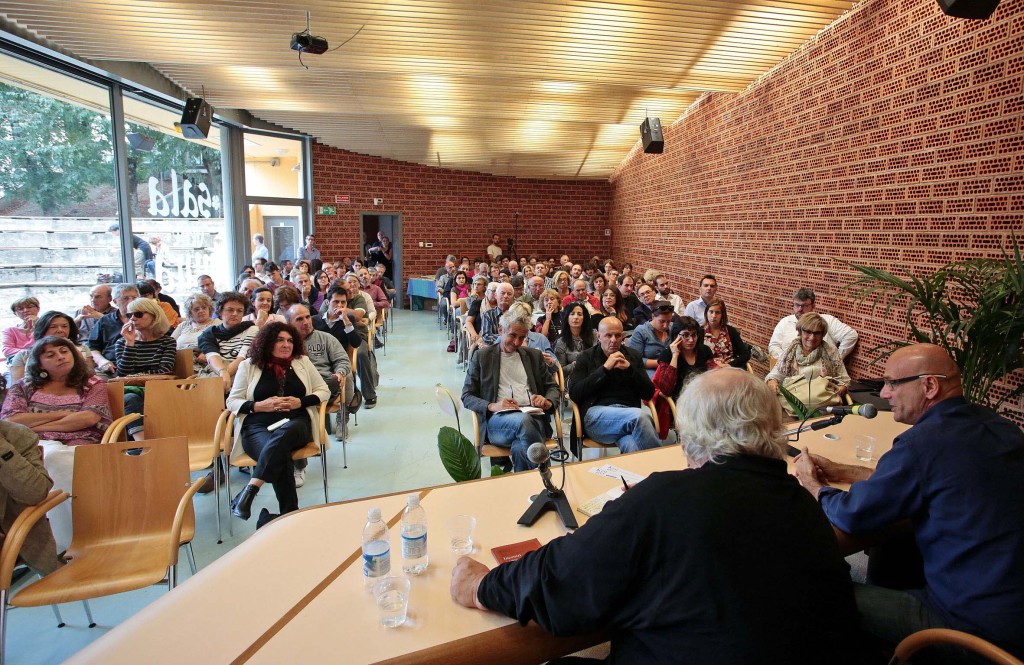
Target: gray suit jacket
481, 387
23, 483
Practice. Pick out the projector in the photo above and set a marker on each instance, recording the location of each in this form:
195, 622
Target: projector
303, 42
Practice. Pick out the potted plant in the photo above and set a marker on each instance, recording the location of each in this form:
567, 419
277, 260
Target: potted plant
974, 309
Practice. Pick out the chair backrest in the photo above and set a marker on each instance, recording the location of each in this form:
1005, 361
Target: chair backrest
933, 636
352, 359
119, 494
183, 363
186, 407
115, 395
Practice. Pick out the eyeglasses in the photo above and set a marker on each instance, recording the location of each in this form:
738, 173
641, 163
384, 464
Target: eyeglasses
892, 383
137, 315
686, 335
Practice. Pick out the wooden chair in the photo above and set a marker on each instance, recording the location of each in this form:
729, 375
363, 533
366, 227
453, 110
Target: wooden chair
311, 449
339, 406
193, 408
11, 547
578, 438
129, 513
184, 363
353, 359
115, 395
936, 636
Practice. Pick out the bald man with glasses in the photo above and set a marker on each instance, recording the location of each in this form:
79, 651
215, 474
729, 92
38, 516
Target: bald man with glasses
957, 477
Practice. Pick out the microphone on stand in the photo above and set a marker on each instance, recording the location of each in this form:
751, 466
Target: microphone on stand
865, 410
538, 454
551, 498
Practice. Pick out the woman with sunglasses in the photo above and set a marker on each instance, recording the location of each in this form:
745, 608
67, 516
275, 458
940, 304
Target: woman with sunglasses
145, 351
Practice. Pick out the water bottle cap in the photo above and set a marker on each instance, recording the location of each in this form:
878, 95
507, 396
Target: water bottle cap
373, 514
413, 500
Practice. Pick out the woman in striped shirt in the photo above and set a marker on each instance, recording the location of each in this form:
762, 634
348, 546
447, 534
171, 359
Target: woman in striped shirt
145, 351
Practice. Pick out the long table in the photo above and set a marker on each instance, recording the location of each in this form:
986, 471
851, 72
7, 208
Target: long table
419, 290
296, 586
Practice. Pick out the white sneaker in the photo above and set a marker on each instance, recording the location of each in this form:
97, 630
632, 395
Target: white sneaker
300, 478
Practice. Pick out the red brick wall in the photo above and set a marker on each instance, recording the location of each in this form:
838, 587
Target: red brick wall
895, 138
457, 211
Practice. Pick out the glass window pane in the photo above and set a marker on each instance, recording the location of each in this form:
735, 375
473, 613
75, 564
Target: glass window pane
176, 201
57, 189
281, 229
273, 166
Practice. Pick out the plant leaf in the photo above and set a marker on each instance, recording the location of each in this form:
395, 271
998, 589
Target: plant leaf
799, 408
458, 455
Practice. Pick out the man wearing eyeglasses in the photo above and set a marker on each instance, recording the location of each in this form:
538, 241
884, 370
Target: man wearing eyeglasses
106, 332
956, 475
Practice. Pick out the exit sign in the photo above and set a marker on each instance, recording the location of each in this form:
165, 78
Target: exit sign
326, 210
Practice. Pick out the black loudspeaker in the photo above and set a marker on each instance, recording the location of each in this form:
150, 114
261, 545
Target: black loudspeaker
650, 134
978, 9
195, 119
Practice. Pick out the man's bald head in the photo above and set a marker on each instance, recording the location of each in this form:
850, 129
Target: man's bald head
609, 334
924, 359
918, 377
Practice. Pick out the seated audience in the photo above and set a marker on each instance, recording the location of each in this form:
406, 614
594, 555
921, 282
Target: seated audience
274, 279
696, 309
104, 336
534, 289
629, 298
304, 285
248, 287
226, 344
579, 294
811, 368
710, 587
145, 351
839, 334
686, 356
384, 283
56, 324
726, 345
575, 337
148, 290
284, 297
100, 303
613, 305
277, 381
321, 285
562, 281
642, 313
664, 292
596, 286
504, 295
380, 299
504, 377
459, 291
262, 304
207, 287
954, 480
198, 317
340, 321
19, 337
475, 305
653, 337
550, 322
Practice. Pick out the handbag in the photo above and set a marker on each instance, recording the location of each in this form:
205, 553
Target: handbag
819, 391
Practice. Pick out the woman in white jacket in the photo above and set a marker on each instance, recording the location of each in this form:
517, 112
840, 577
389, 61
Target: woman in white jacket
276, 383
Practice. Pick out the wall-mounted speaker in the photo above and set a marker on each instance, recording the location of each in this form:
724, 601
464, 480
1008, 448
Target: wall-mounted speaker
195, 119
650, 134
976, 9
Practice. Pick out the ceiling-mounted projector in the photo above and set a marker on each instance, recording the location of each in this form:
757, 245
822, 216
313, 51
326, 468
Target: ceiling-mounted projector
303, 42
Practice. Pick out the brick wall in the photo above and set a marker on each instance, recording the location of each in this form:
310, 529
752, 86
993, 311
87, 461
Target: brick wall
457, 211
895, 138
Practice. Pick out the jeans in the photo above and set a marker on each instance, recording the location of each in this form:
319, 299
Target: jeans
630, 428
367, 371
518, 430
273, 454
133, 403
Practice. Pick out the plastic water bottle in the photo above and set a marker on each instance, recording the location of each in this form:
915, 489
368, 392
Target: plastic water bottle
376, 547
414, 536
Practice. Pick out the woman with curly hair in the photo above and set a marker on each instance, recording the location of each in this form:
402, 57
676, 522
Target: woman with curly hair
277, 382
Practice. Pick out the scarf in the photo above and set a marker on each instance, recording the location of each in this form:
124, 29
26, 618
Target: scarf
794, 359
279, 366
222, 332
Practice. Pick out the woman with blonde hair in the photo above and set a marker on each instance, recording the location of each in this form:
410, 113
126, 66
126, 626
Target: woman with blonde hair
561, 280
550, 322
199, 309
145, 351
811, 368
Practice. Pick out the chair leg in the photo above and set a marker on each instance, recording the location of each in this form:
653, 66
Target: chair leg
56, 613
344, 435
216, 488
172, 576
191, 557
88, 613
227, 486
323, 465
3, 626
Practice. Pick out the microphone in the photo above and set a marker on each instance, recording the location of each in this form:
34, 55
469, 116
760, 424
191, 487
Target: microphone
538, 454
865, 410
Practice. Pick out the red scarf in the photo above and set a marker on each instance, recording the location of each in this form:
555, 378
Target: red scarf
279, 366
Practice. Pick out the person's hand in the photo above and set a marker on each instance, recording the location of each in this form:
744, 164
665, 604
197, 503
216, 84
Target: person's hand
266, 405
842, 390
466, 578
549, 359
550, 309
506, 403
201, 358
129, 333
616, 361
226, 378
261, 317
676, 345
808, 473
289, 403
774, 385
541, 402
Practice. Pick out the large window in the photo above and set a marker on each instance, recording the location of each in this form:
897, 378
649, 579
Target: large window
57, 189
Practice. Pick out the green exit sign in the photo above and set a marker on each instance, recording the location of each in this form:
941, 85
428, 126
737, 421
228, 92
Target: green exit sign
326, 210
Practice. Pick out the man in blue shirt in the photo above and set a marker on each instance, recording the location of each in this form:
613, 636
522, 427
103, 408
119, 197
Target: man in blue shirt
956, 476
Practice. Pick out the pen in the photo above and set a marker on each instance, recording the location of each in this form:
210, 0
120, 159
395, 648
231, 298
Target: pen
625, 486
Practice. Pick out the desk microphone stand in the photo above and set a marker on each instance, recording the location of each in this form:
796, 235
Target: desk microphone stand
550, 499
816, 425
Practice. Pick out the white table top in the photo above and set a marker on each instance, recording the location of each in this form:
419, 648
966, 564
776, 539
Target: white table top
296, 586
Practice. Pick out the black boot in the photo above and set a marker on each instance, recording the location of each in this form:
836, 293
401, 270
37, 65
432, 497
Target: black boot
241, 505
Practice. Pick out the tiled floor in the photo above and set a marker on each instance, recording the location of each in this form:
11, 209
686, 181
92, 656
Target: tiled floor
394, 448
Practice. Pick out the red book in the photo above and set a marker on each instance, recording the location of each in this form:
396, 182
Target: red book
515, 551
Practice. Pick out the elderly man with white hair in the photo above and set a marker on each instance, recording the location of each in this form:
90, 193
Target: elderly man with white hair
506, 376
505, 294
718, 562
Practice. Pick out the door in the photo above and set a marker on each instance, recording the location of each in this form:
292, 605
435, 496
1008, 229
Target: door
391, 225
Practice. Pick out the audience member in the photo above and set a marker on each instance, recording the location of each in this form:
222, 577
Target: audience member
207, 287
575, 337
19, 337
504, 295
497, 374
613, 305
321, 285
643, 312
56, 324
811, 369
275, 279
340, 321
259, 250
727, 347
839, 334
686, 356
148, 290
474, 307
107, 331
596, 286
145, 350
198, 317
304, 285
262, 304
664, 292
652, 338
629, 298
562, 284
100, 303
954, 478
579, 294
226, 344
550, 322
696, 309
384, 283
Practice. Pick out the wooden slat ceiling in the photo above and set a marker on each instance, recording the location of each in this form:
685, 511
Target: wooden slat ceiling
531, 89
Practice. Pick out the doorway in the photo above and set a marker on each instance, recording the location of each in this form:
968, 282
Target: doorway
370, 223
